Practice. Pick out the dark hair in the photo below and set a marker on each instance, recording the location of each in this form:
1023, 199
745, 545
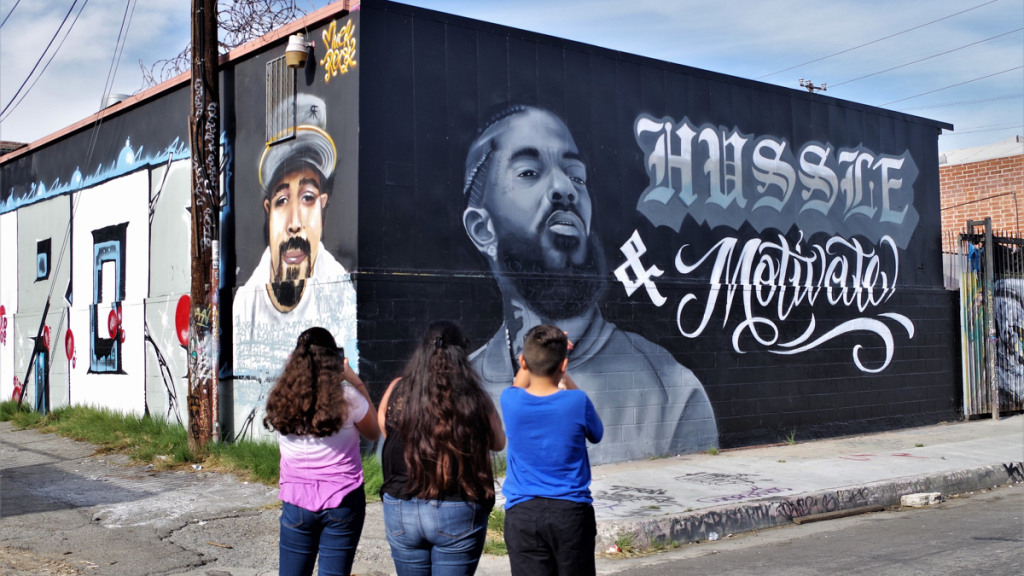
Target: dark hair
307, 398
544, 348
478, 158
442, 413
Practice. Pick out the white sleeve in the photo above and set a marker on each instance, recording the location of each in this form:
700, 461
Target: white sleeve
357, 404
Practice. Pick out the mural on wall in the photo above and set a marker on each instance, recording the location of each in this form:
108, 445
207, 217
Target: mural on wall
528, 211
856, 203
1009, 316
298, 282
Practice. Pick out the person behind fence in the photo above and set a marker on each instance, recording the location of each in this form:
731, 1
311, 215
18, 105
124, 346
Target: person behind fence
439, 426
318, 407
549, 515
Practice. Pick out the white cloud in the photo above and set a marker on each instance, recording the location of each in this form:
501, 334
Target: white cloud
747, 38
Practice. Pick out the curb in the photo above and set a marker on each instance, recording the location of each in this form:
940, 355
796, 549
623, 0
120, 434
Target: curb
766, 513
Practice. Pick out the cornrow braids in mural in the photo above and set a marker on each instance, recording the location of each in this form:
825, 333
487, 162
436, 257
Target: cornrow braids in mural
529, 212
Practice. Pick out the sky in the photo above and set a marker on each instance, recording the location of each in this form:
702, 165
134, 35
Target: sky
966, 69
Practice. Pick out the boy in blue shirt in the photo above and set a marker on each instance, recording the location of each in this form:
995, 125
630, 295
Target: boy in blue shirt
549, 514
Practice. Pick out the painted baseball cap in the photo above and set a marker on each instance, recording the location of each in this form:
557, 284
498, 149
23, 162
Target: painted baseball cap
312, 144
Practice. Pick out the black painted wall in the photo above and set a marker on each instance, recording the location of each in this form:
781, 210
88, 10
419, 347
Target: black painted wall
430, 82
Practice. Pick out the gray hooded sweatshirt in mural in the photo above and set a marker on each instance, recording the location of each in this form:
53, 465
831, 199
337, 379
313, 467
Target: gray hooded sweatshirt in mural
648, 402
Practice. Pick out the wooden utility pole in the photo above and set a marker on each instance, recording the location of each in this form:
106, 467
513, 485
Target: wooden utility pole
204, 141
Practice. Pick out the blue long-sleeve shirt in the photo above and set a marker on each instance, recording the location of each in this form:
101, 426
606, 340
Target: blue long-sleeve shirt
547, 448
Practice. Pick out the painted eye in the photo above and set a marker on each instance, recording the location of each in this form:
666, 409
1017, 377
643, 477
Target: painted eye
280, 201
309, 198
527, 174
578, 181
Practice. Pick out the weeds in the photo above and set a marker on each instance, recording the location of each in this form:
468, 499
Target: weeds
147, 439
791, 437
495, 542
712, 451
625, 544
919, 445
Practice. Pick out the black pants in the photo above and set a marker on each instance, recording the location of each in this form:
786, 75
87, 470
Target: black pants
555, 537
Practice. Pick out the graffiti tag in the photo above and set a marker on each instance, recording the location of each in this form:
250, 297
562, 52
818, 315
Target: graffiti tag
634, 494
3, 326
341, 50
754, 492
716, 478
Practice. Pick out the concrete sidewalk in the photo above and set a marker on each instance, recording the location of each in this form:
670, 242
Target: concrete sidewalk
700, 497
686, 498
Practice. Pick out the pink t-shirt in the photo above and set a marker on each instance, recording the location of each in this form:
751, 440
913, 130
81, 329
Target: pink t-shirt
317, 473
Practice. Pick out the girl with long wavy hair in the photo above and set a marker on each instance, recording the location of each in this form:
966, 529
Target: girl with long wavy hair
318, 408
440, 426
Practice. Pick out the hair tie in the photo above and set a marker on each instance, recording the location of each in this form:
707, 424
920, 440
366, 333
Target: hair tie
438, 342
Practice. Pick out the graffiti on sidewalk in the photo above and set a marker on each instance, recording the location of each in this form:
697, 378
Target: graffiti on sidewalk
1015, 470
648, 499
717, 478
754, 492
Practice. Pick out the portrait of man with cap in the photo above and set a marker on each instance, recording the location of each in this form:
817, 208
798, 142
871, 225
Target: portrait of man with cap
528, 210
297, 283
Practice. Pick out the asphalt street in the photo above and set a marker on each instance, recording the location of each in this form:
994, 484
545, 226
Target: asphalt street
980, 533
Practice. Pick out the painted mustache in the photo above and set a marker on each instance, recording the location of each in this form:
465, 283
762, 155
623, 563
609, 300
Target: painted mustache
293, 252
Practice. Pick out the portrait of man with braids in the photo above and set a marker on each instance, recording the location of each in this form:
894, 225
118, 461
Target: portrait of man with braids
528, 211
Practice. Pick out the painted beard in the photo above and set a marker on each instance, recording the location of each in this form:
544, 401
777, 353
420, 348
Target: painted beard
555, 294
287, 285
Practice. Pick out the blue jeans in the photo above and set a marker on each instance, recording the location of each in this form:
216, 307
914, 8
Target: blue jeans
434, 537
333, 532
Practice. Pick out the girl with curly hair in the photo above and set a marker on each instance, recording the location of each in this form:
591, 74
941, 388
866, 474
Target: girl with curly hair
440, 426
318, 408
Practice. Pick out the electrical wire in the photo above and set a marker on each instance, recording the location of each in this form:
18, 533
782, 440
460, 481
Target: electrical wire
952, 86
962, 102
47, 65
996, 129
927, 57
122, 38
41, 56
9, 13
878, 40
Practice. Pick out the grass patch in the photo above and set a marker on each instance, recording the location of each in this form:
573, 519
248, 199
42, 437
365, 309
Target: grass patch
165, 444
373, 477
712, 451
23, 417
791, 437
918, 445
495, 542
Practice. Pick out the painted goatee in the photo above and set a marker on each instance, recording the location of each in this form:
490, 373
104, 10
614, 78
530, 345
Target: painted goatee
287, 285
558, 294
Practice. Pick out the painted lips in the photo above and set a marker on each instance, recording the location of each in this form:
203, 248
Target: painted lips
565, 223
294, 257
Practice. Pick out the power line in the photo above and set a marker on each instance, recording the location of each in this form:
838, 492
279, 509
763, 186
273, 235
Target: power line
928, 57
961, 102
997, 129
878, 40
41, 56
9, 13
952, 86
47, 65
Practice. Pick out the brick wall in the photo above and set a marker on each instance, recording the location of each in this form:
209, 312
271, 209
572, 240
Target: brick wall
976, 190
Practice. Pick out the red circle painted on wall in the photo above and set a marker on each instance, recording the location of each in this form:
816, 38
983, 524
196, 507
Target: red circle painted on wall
112, 323
69, 344
181, 319
46, 337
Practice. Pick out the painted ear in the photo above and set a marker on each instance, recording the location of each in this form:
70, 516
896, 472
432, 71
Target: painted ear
480, 229
266, 206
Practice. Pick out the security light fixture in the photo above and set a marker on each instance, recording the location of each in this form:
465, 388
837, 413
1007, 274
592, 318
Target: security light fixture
297, 50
